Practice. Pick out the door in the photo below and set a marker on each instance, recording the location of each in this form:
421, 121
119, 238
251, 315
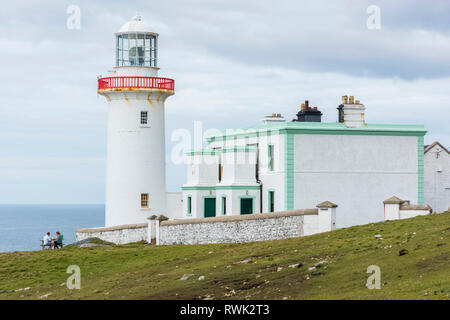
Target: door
246, 206
210, 207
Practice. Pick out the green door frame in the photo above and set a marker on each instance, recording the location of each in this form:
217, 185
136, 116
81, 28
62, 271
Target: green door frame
203, 200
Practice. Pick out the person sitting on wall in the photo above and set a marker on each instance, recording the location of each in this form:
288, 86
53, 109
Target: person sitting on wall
47, 241
58, 241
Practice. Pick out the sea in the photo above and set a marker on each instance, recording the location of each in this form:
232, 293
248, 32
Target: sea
23, 226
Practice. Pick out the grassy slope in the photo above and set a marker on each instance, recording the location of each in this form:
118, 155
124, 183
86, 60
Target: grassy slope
138, 271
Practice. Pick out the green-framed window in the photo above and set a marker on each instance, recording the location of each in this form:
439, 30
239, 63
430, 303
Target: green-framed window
247, 204
224, 205
271, 201
189, 206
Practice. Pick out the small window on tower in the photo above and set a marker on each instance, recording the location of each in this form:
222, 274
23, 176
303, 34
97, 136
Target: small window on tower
144, 117
144, 201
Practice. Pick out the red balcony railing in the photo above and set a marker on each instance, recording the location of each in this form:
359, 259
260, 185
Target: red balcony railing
111, 83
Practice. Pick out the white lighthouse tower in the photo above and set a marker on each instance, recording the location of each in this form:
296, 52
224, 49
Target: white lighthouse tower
135, 166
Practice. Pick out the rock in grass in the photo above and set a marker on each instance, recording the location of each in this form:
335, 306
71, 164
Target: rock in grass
245, 261
201, 278
403, 252
186, 276
296, 265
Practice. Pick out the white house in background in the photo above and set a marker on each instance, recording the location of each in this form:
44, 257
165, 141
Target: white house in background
437, 177
282, 165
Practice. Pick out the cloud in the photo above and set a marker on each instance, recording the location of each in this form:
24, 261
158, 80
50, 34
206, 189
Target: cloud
233, 63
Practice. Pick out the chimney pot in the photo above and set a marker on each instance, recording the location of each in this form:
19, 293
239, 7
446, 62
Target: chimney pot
306, 104
351, 100
344, 99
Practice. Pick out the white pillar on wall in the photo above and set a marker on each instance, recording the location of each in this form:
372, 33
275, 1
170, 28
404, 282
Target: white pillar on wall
392, 208
326, 216
151, 232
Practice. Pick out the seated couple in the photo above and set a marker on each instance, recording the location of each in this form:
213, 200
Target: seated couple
53, 243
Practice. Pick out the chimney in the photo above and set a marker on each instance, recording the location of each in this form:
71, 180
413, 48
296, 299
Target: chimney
308, 114
351, 112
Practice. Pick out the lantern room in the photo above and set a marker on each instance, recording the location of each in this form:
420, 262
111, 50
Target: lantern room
136, 45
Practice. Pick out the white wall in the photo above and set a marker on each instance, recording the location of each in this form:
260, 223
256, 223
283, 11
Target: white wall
174, 204
202, 170
437, 179
356, 171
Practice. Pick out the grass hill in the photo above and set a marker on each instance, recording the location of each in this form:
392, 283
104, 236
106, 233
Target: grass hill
282, 269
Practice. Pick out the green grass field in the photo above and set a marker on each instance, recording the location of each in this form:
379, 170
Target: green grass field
140, 271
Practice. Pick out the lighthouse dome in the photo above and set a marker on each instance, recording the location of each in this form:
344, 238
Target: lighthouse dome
135, 25
136, 45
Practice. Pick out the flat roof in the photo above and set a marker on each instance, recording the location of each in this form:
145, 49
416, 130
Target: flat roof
337, 128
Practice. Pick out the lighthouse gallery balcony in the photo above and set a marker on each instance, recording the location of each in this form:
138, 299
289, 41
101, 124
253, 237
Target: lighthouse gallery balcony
135, 83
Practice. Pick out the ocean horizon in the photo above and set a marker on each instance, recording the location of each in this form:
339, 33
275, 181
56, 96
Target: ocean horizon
22, 226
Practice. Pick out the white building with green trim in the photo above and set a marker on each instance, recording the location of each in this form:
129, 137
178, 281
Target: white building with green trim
293, 165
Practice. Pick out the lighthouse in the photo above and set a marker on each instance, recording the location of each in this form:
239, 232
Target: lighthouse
135, 162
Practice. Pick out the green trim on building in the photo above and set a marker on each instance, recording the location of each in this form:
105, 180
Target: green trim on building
202, 152
221, 188
420, 170
239, 149
214, 152
288, 172
247, 197
199, 188
320, 128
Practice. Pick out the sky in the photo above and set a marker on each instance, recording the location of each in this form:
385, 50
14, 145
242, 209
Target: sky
233, 63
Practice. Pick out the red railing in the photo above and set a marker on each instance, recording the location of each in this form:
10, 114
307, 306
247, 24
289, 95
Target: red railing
111, 83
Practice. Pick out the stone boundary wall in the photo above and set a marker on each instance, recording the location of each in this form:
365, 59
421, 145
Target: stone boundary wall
118, 235
224, 229
234, 229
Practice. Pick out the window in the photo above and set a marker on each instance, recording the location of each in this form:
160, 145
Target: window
144, 117
270, 157
136, 50
224, 206
144, 201
189, 205
220, 172
271, 207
